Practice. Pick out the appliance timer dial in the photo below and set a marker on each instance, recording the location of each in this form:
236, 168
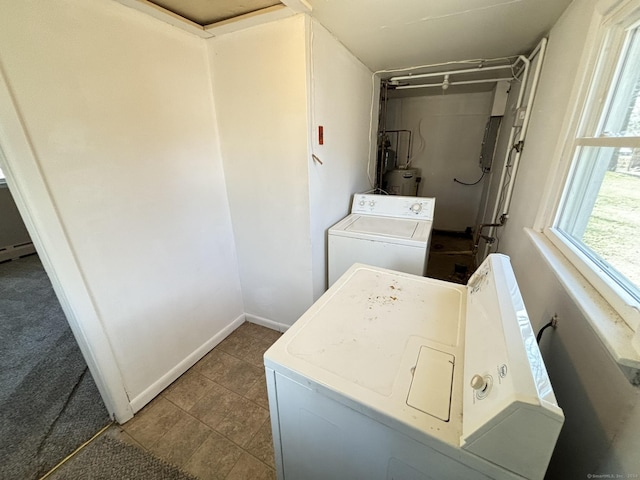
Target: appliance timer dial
416, 207
481, 385
478, 382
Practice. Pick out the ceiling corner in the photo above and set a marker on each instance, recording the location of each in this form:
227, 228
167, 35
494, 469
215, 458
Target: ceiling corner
166, 16
248, 20
298, 6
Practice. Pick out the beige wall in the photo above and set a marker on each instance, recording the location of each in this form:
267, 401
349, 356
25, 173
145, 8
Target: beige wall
600, 405
118, 111
260, 91
273, 84
447, 135
120, 170
340, 100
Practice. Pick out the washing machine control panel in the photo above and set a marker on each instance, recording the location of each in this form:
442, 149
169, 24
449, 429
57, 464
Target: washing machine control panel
394, 206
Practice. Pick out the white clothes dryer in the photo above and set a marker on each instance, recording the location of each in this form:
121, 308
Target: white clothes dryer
395, 376
387, 231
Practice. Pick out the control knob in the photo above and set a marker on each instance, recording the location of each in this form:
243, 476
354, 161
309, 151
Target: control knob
416, 207
478, 382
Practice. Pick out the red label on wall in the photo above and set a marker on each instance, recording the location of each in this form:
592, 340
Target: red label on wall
320, 135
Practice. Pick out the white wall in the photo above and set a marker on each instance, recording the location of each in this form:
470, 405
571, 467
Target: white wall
118, 111
260, 91
447, 139
341, 95
601, 407
273, 85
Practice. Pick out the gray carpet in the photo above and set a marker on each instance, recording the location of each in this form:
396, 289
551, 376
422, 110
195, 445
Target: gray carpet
106, 459
49, 403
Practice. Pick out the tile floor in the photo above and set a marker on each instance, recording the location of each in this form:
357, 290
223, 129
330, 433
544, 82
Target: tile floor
213, 422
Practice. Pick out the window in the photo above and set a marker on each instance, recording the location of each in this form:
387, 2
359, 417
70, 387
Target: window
598, 219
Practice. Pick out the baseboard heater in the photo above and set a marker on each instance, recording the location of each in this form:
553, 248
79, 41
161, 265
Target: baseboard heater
16, 251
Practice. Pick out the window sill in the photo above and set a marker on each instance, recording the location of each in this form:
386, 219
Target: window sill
615, 334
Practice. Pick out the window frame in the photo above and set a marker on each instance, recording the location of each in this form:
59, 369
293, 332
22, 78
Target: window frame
600, 68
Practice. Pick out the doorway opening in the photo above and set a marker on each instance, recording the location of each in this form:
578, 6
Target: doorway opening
49, 400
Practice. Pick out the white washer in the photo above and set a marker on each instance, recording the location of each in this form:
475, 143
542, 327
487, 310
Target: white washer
387, 231
394, 376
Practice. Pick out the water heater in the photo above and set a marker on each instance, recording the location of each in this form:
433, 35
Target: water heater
402, 181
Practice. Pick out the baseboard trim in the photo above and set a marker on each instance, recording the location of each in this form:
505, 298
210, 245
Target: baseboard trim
167, 379
265, 322
16, 251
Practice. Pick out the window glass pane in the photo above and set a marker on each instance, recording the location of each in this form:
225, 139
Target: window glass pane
623, 117
601, 212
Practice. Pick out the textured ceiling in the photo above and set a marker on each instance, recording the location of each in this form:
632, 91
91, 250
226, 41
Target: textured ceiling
389, 34
384, 34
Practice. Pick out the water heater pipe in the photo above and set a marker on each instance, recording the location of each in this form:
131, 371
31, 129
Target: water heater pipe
453, 72
448, 83
525, 125
512, 134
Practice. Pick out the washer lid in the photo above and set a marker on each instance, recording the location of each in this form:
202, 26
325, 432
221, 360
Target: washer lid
397, 231
384, 226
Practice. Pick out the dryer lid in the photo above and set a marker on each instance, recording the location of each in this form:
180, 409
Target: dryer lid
362, 341
358, 333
